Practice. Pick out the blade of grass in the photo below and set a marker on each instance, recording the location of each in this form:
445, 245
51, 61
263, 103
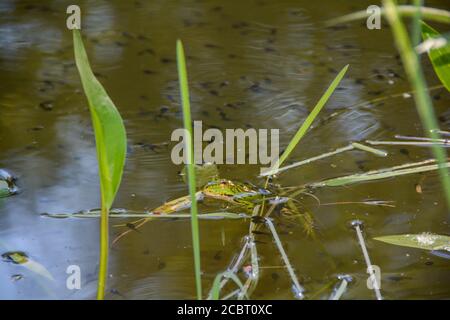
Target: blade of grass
416, 78
111, 144
374, 175
433, 14
426, 241
185, 101
308, 121
416, 29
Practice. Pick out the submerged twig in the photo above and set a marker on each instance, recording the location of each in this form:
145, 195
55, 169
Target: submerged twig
377, 152
381, 203
442, 143
298, 289
351, 146
234, 266
442, 133
341, 287
213, 216
409, 168
398, 136
253, 275
356, 224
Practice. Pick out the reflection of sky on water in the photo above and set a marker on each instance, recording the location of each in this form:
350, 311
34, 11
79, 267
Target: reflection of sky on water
52, 242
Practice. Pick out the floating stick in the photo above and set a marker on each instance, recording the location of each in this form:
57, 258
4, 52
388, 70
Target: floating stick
340, 289
356, 224
298, 289
409, 143
442, 133
380, 153
351, 146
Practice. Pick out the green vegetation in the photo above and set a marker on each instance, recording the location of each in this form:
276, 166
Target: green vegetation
426, 241
184, 89
416, 78
308, 121
431, 14
111, 146
440, 57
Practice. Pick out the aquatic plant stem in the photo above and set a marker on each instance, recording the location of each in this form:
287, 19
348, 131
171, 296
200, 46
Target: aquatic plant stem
432, 14
185, 101
298, 289
104, 247
357, 227
111, 146
416, 78
308, 122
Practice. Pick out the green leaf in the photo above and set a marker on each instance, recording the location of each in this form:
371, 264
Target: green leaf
440, 57
109, 130
308, 122
186, 106
111, 145
426, 241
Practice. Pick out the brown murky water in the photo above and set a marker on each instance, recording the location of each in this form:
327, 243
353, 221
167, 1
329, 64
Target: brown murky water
260, 64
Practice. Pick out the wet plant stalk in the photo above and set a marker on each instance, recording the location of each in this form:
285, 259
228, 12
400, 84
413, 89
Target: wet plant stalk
368, 262
104, 247
416, 78
298, 289
185, 100
339, 290
111, 145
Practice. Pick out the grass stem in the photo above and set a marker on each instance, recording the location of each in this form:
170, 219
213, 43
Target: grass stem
185, 100
416, 78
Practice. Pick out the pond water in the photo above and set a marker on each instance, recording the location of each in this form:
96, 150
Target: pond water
251, 64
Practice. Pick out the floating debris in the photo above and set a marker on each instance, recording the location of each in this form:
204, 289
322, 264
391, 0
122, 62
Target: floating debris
16, 257
357, 225
22, 259
7, 184
16, 277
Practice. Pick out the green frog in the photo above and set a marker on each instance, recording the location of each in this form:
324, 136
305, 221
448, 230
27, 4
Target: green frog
241, 194
238, 193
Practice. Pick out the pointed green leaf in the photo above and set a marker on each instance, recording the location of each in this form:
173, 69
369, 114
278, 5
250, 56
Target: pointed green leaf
426, 241
308, 122
440, 57
109, 130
